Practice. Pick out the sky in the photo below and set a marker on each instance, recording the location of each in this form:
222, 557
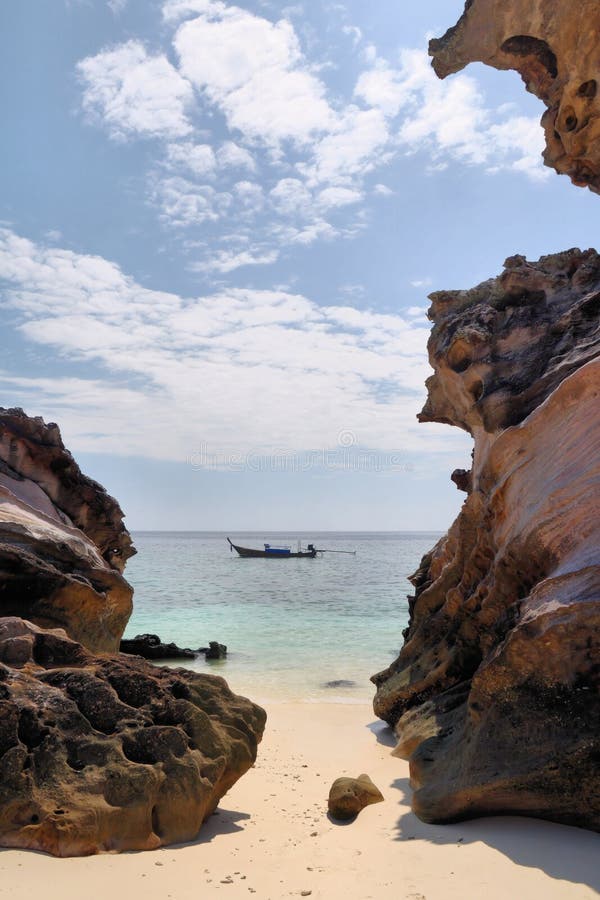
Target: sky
219, 225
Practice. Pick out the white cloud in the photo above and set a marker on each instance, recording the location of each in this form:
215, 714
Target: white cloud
354, 146
369, 54
134, 93
164, 368
117, 6
522, 137
231, 156
175, 10
225, 261
338, 196
254, 71
354, 32
197, 158
421, 282
449, 119
315, 230
450, 114
386, 88
250, 195
185, 203
306, 150
203, 161
291, 196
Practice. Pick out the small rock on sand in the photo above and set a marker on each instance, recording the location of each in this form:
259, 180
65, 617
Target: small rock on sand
348, 796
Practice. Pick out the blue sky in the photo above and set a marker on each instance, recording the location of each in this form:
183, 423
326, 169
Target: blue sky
219, 225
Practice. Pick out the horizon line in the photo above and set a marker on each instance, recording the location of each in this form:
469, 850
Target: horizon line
286, 531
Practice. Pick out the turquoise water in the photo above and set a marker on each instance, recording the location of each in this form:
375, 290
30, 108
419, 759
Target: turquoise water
290, 625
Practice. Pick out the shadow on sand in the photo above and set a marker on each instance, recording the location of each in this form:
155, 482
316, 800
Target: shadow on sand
341, 822
383, 733
561, 851
221, 822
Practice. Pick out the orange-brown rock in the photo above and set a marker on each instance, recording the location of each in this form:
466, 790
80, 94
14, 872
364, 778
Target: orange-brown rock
554, 45
104, 753
348, 796
495, 695
63, 545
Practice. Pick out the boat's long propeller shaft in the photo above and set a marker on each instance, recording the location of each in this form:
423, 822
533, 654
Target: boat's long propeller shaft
350, 552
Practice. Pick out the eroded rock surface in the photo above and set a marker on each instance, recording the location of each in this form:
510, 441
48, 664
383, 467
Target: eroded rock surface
111, 753
495, 696
63, 544
347, 796
554, 45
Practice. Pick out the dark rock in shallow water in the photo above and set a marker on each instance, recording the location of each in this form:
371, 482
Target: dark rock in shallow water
339, 683
150, 646
108, 753
216, 651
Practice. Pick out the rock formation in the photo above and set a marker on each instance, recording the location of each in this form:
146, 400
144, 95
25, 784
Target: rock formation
495, 695
554, 45
150, 646
63, 545
111, 753
347, 796
98, 751
215, 650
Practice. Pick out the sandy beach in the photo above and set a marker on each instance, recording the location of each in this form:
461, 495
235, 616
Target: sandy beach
271, 837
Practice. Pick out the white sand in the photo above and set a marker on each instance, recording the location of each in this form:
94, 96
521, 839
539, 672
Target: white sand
272, 838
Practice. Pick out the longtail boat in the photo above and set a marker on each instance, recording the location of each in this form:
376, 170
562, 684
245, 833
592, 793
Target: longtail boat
271, 552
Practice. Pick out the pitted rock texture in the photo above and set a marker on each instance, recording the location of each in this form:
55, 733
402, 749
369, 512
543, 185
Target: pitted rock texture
100, 754
495, 695
499, 350
63, 544
554, 45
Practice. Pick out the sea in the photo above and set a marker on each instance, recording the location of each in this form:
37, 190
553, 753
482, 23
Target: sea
310, 630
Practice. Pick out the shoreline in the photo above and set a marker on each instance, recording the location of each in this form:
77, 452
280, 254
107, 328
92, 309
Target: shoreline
271, 836
277, 687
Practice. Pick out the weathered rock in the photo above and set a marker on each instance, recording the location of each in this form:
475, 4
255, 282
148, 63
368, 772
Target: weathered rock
33, 454
63, 544
216, 650
462, 479
495, 695
150, 646
111, 753
347, 796
554, 45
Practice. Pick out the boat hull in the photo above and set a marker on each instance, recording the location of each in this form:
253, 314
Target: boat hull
265, 554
